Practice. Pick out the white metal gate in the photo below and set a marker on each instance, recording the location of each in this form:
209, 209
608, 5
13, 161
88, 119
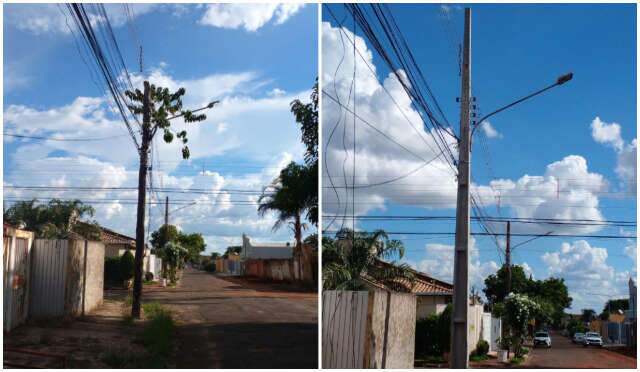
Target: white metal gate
344, 322
16, 280
49, 270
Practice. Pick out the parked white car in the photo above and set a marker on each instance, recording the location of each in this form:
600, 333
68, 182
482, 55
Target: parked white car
578, 338
592, 338
542, 338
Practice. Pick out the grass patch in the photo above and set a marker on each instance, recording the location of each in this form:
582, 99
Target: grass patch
478, 358
118, 357
516, 360
427, 360
157, 334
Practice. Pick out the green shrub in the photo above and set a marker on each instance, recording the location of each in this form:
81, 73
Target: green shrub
210, 267
482, 348
112, 270
127, 265
478, 358
148, 276
433, 334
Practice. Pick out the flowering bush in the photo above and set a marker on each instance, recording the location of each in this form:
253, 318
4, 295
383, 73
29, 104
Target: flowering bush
518, 310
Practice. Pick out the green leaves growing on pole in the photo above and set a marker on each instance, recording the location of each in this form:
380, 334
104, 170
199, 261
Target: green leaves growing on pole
165, 106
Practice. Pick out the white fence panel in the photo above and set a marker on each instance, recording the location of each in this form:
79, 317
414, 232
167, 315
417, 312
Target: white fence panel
48, 278
344, 318
16, 259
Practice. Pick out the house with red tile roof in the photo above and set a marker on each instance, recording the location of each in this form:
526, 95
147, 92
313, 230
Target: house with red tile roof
432, 295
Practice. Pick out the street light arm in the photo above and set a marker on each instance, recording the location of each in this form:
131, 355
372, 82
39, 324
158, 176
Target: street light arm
210, 105
561, 80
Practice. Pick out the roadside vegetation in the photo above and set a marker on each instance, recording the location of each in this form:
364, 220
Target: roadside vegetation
155, 337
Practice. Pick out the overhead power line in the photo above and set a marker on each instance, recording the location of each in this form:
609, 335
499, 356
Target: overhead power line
498, 234
63, 139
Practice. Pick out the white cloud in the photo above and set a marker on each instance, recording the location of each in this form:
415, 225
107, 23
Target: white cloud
220, 215
489, 130
53, 19
247, 121
251, 17
626, 163
276, 92
222, 127
389, 173
607, 133
589, 278
439, 264
258, 130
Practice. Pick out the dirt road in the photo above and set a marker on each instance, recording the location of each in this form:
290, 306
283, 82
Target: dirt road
564, 354
235, 323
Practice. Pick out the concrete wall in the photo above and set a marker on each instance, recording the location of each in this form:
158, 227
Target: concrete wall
491, 330
277, 270
264, 251
474, 318
85, 277
427, 305
401, 334
389, 329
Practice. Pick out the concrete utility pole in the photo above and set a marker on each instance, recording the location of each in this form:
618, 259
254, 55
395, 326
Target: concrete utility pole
142, 187
459, 349
508, 257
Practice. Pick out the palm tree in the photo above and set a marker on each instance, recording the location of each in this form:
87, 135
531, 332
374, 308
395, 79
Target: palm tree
54, 220
354, 258
288, 197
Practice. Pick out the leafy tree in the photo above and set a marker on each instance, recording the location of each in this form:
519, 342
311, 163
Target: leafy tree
307, 116
553, 296
214, 255
612, 306
231, 250
55, 220
164, 105
588, 315
496, 284
574, 325
354, 255
193, 243
311, 240
165, 234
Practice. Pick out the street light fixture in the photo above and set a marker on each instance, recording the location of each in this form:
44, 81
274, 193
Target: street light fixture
561, 80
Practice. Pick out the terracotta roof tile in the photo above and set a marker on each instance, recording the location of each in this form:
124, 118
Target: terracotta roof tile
423, 283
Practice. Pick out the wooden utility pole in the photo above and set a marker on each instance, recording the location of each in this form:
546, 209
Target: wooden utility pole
508, 257
459, 347
142, 187
166, 212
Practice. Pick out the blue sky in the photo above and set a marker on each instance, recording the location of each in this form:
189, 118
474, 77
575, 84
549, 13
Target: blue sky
254, 59
580, 136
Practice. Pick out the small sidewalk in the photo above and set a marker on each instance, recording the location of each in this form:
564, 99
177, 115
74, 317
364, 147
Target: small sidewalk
83, 342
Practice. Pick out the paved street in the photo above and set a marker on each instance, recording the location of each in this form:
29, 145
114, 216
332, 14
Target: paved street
235, 323
564, 354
